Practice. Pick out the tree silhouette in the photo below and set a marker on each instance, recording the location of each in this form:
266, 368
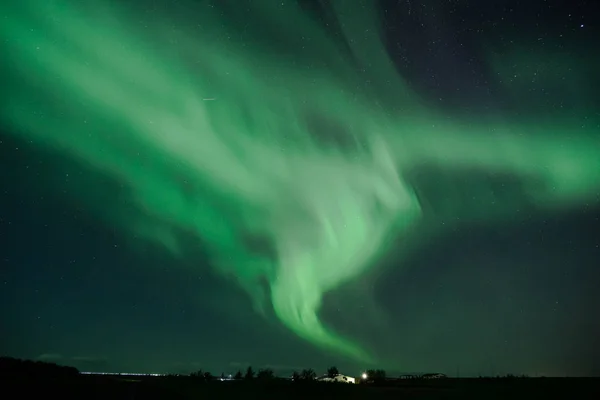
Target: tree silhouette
265, 374
249, 374
376, 375
208, 376
197, 374
295, 376
332, 372
308, 374
238, 375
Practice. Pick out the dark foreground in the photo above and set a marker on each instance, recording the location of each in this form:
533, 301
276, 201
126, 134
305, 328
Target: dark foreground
176, 388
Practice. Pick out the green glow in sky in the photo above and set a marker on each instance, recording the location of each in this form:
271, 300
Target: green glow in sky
226, 134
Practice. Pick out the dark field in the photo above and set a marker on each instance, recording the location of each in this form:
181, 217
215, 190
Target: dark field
104, 387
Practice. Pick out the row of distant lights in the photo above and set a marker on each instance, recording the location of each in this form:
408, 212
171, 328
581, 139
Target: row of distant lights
364, 375
135, 374
121, 373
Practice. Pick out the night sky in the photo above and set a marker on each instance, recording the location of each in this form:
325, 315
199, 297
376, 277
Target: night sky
409, 185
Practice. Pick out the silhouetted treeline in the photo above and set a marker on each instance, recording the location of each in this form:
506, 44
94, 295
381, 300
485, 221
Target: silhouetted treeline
376, 376
16, 368
267, 374
263, 374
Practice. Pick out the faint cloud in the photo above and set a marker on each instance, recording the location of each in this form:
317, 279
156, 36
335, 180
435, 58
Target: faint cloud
49, 357
99, 364
276, 367
88, 359
238, 364
186, 367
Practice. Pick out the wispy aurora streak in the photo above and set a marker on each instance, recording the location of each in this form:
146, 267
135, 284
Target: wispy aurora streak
259, 163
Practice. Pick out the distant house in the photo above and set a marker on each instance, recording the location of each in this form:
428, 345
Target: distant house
433, 376
409, 376
337, 378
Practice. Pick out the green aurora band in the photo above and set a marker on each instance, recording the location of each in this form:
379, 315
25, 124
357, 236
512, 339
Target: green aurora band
286, 153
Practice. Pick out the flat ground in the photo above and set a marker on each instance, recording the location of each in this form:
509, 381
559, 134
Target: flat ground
183, 388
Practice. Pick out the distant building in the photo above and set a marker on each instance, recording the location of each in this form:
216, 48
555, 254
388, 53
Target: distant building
433, 376
337, 378
409, 376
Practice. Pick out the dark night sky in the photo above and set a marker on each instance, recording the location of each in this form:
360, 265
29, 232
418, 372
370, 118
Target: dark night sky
519, 295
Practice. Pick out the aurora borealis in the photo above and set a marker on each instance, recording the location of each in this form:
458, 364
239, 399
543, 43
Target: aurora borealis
272, 155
